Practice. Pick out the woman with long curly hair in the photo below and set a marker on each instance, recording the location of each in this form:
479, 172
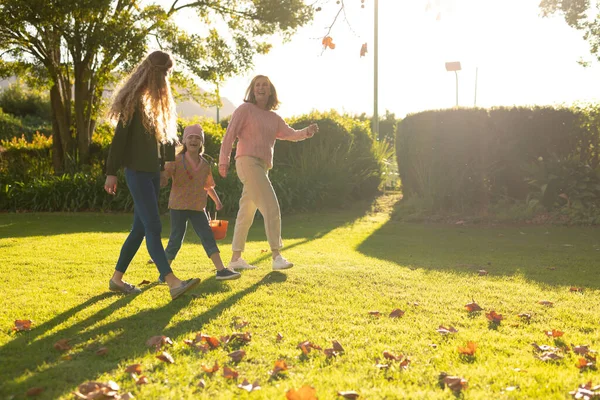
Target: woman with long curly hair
146, 131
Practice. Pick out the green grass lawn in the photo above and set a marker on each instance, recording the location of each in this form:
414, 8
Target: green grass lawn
55, 270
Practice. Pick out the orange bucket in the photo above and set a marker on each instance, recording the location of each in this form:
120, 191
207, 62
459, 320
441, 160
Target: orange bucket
219, 228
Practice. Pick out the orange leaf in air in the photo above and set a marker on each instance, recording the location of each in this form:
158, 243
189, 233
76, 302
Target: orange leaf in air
472, 307
397, 313
350, 394
166, 357
208, 370
304, 393
62, 345
134, 368
236, 356
554, 333
363, 50
469, 350
328, 42
34, 391
22, 325
494, 317
229, 373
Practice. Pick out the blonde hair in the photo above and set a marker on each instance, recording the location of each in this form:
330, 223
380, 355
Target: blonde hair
272, 103
147, 89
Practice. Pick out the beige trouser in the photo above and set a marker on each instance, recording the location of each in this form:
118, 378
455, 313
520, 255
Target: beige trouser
258, 194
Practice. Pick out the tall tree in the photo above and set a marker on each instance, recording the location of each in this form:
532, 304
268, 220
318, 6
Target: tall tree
78, 47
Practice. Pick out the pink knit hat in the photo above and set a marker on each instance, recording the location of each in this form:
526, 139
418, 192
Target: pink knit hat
193, 130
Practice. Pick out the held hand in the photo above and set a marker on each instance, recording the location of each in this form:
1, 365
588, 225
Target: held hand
110, 185
219, 206
223, 170
311, 130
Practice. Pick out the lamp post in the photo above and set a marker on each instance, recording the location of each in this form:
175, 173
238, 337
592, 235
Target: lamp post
454, 66
375, 127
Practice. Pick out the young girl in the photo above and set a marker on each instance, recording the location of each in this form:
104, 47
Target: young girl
145, 111
192, 181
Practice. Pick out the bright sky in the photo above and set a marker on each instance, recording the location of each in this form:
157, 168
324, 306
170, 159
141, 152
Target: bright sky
521, 59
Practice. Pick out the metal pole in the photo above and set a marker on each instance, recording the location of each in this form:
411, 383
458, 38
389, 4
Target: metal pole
475, 100
375, 67
456, 73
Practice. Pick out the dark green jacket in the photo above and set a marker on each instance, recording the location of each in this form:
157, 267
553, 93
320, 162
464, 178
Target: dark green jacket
134, 148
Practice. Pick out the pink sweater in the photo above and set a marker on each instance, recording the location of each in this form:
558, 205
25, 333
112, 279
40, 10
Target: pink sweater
256, 131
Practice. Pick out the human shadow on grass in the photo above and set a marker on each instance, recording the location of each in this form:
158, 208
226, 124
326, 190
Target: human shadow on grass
550, 255
125, 340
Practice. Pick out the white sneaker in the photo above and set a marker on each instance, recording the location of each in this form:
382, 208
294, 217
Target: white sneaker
240, 263
281, 263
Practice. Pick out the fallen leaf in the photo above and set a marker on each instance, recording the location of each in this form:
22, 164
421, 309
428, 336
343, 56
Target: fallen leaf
511, 388
134, 368
389, 356
375, 313
212, 369
142, 380
249, 387
586, 391
543, 347
554, 333
382, 366
304, 393
494, 317
279, 337
201, 384
236, 356
330, 352
549, 356
469, 350
34, 391
525, 316
575, 289
546, 303
229, 373
397, 313
482, 272
472, 307
280, 366
581, 349
351, 394
102, 351
337, 346
583, 363
22, 325
127, 396
144, 282
306, 346
444, 331
238, 323
212, 341
166, 357
158, 342
454, 383
62, 345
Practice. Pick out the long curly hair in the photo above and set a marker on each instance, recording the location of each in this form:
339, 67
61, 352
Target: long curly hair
272, 103
147, 89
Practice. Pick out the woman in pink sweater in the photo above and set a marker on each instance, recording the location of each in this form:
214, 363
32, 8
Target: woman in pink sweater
256, 127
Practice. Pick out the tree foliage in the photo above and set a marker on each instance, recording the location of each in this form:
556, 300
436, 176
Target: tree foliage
79, 48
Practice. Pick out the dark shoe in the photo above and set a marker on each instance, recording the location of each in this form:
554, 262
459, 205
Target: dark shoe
185, 286
226, 274
127, 288
160, 279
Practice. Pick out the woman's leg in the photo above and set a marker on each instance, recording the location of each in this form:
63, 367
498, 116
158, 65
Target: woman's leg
178, 228
260, 193
246, 212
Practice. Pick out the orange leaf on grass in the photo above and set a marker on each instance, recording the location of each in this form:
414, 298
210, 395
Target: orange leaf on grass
210, 370
22, 325
280, 366
472, 307
212, 341
397, 313
494, 317
575, 289
390, 356
469, 350
444, 331
304, 393
142, 380
62, 345
583, 363
236, 356
166, 357
375, 313
134, 368
229, 373
306, 346
554, 333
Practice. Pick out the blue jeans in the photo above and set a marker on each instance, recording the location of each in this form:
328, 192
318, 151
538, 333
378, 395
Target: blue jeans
179, 219
144, 188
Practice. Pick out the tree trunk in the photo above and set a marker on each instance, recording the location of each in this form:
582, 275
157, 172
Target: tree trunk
82, 103
61, 127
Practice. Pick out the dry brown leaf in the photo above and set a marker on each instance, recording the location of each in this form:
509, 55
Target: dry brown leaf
549, 356
212, 341
494, 317
363, 50
586, 391
306, 346
444, 331
142, 380
201, 384
22, 325
102, 351
546, 303
280, 366
543, 347
127, 396
166, 357
34, 391
454, 383
158, 342
554, 333
212, 369
330, 352
350, 394
240, 324
134, 368
236, 356
469, 350
62, 345
396, 313
525, 317
389, 356
575, 289
583, 363
582, 350
472, 307
229, 373
144, 282
304, 393
375, 313
279, 337
337, 346
482, 272
249, 387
